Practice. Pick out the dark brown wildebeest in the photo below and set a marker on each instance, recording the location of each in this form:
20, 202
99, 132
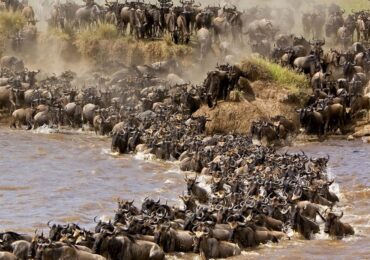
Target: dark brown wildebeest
335, 228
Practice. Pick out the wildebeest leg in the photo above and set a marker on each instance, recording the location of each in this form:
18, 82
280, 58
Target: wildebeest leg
358, 34
13, 123
225, 91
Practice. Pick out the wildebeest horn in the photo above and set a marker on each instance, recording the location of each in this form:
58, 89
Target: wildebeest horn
49, 223
341, 215
284, 211
321, 216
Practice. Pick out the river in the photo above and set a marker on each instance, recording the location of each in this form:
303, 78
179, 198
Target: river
72, 177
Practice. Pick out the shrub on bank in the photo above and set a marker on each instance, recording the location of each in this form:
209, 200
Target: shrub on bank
10, 23
103, 42
261, 69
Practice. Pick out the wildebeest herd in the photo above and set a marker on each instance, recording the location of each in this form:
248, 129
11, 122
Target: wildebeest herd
238, 195
251, 196
241, 196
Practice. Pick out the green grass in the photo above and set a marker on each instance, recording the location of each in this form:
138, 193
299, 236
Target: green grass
102, 42
66, 35
268, 71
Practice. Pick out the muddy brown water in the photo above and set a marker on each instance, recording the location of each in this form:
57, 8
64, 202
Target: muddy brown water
72, 177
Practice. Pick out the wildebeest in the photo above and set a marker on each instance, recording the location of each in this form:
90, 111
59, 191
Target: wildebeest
335, 228
205, 42
88, 113
358, 103
12, 63
302, 224
29, 14
312, 121
195, 190
308, 65
63, 251
126, 248
183, 29
173, 240
344, 37
22, 116
120, 142
216, 86
334, 116
87, 15
209, 247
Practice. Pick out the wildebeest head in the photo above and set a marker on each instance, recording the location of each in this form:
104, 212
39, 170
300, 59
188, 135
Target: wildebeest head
331, 220
126, 206
149, 205
55, 231
189, 202
162, 237
40, 249
120, 142
103, 226
190, 182
101, 243
200, 234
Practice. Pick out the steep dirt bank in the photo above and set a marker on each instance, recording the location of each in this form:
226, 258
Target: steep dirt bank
263, 97
237, 117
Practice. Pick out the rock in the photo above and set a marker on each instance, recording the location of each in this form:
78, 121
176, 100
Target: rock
362, 133
350, 138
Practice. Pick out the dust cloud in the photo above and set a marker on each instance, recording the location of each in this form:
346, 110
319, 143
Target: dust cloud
54, 55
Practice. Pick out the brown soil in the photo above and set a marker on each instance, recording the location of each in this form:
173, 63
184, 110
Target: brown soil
269, 100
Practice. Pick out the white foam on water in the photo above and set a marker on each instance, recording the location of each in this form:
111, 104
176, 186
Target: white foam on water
45, 130
106, 151
168, 181
144, 156
174, 170
159, 190
203, 183
250, 253
335, 188
105, 219
321, 235
290, 232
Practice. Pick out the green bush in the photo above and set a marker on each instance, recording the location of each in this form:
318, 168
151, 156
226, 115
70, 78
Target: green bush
261, 69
